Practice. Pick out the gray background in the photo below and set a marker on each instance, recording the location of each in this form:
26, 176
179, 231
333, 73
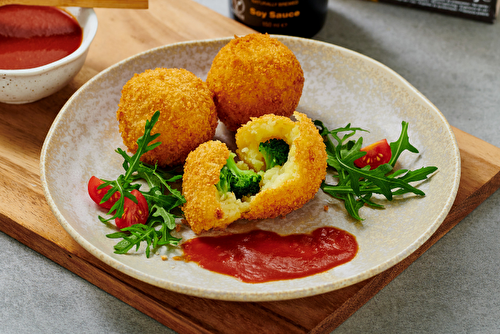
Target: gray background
453, 288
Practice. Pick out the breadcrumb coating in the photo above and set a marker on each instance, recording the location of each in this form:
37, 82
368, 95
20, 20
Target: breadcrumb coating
188, 116
288, 187
283, 188
252, 76
204, 209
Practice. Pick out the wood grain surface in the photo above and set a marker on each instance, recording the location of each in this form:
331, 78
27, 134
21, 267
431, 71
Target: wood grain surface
25, 215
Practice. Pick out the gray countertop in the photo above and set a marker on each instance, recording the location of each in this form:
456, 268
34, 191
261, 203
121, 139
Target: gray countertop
452, 288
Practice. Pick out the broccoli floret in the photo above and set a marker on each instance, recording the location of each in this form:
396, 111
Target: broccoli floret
223, 186
240, 182
275, 152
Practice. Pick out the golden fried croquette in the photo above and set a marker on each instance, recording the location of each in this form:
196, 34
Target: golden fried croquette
288, 187
283, 188
205, 209
252, 76
188, 116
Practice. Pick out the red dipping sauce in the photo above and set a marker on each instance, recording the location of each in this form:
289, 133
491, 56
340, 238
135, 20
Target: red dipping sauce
33, 36
263, 256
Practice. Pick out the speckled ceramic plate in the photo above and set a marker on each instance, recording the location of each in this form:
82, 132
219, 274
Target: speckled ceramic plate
341, 87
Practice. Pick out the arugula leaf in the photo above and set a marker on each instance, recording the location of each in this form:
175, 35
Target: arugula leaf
403, 143
355, 186
162, 198
130, 164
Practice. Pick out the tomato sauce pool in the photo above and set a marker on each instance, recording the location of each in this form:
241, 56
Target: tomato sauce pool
263, 256
33, 36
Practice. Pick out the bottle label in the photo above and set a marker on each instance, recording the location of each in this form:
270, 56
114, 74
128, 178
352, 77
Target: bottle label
267, 14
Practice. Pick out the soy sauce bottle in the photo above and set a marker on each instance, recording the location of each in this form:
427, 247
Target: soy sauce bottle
303, 18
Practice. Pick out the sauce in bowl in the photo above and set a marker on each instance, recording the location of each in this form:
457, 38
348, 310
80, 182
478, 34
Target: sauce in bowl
33, 36
263, 256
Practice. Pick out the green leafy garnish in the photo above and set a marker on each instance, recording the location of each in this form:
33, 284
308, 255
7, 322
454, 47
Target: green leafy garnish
355, 186
161, 197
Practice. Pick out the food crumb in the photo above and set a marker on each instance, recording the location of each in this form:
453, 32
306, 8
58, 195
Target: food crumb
326, 207
177, 228
164, 257
180, 258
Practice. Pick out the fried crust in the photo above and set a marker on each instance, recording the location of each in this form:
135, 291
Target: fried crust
252, 76
188, 116
299, 179
203, 210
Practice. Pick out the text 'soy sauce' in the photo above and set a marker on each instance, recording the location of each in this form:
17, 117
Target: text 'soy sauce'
303, 18
262, 256
33, 36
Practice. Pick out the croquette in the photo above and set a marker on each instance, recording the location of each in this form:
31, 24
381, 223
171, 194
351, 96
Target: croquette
205, 209
252, 76
283, 188
188, 115
288, 187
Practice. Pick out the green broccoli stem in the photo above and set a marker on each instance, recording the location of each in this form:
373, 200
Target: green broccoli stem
223, 185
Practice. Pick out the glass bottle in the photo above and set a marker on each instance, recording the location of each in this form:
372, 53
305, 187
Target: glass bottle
303, 18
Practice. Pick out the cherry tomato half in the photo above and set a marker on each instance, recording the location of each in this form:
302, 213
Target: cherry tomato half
133, 213
98, 194
377, 154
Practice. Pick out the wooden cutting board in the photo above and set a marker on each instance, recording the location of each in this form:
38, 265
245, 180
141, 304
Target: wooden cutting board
25, 215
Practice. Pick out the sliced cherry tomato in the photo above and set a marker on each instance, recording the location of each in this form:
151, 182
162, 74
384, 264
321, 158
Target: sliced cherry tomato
377, 154
98, 194
133, 213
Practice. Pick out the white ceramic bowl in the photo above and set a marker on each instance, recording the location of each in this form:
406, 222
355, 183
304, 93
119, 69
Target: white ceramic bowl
29, 85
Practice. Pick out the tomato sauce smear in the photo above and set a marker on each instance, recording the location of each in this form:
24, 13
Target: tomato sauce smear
33, 36
263, 256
